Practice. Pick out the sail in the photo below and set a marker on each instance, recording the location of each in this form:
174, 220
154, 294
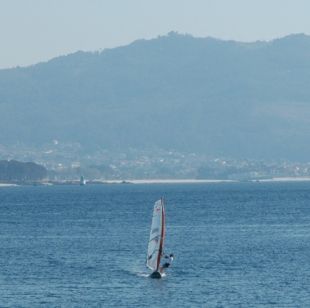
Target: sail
157, 235
82, 180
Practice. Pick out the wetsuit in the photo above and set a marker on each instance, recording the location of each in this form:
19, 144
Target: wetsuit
167, 260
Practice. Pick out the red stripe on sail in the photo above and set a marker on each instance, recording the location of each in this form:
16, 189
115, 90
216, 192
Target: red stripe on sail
162, 234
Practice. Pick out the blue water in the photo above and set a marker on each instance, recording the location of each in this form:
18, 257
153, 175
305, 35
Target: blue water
235, 245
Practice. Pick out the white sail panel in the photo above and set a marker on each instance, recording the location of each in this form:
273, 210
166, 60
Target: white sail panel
157, 235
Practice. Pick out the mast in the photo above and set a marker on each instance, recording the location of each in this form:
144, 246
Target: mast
162, 237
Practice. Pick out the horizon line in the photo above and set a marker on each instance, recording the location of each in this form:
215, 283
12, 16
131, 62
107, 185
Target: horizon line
170, 33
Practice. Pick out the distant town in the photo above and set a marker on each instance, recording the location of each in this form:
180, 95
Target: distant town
67, 162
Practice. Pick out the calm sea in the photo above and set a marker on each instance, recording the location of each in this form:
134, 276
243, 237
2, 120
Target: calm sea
235, 245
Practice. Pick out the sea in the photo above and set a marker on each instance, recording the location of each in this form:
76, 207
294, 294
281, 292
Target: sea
235, 245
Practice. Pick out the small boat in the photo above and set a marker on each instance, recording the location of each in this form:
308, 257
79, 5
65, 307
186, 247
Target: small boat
156, 241
82, 181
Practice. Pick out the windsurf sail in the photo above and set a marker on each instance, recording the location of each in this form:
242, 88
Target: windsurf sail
157, 236
82, 180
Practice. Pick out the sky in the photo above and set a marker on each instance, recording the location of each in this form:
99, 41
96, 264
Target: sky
32, 31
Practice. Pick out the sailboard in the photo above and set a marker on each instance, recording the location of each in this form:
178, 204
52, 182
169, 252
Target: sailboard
82, 181
156, 240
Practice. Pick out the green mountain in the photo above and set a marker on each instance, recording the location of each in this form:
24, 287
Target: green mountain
174, 92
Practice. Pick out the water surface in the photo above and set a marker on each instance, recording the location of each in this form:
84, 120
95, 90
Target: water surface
236, 245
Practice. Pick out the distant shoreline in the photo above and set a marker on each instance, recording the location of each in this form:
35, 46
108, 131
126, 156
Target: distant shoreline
106, 182
285, 179
7, 184
210, 181
157, 181
166, 181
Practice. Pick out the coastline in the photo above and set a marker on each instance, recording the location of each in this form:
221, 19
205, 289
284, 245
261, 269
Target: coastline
156, 181
195, 181
165, 181
285, 179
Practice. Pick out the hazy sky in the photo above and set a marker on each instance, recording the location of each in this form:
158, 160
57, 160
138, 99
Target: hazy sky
37, 30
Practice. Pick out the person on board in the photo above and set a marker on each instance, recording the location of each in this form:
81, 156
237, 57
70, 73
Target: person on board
167, 261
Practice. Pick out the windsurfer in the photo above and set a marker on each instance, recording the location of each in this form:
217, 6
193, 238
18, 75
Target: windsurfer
167, 261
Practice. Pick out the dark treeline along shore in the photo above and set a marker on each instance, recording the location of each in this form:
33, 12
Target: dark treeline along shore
19, 172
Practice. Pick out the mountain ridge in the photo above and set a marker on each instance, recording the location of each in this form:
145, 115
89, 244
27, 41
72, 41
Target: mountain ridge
191, 94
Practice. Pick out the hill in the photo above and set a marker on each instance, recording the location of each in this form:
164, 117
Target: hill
15, 171
204, 95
